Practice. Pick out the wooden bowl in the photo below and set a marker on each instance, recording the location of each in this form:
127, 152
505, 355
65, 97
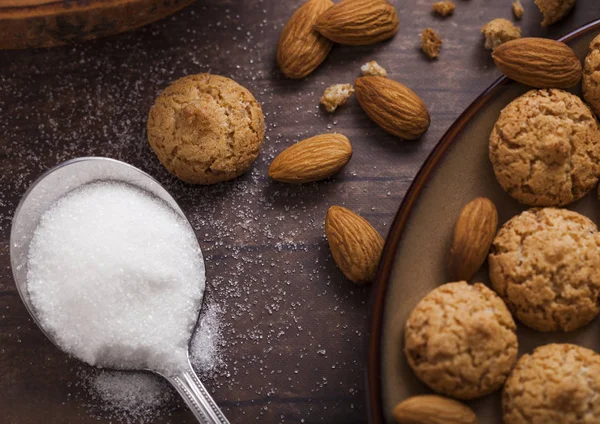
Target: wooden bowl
47, 23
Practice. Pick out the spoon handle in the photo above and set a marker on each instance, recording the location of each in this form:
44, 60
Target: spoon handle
196, 397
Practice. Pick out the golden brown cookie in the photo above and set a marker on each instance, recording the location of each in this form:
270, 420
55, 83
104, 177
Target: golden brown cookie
591, 76
545, 264
460, 340
545, 148
206, 128
557, 383
553, 10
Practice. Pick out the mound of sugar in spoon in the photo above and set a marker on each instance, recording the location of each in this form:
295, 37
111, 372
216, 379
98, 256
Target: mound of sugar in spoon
116, 276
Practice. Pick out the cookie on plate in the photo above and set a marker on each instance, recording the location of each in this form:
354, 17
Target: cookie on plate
460, 340
206, 129
557, 383
545, 148
545, 264
590, 84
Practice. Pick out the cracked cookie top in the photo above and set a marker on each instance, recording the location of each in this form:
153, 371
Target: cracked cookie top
545, 264
557, 383
545, 148
460, 340
591, 76
206, 129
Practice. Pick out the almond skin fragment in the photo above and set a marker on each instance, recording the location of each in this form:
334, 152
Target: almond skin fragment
538, 62
313, 159
301, 49
393, 106
474, 233
355, 245
359, 22
433, 409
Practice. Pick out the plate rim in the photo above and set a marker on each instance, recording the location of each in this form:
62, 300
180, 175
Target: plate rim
373, 337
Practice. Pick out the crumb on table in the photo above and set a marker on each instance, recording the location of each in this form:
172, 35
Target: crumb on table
373, 68
498, 31
336, 95
517, 9
443, 8
431, 43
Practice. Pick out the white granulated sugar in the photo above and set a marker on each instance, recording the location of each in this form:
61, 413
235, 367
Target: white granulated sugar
117, 278
131, 397
207, 342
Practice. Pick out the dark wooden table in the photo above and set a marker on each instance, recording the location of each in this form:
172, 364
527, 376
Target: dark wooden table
294, 327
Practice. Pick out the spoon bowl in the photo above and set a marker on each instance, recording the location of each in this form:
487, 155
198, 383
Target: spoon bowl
53, 185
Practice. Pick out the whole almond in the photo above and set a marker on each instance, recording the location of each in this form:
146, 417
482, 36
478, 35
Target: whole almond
355, 245
359, 22
313, 159
433, 409
538, 62
393, 106
474, 232
301, 49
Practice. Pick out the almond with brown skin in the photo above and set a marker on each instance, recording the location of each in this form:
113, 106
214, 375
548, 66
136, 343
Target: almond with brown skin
359, 22
393, 106
474, 232
301, 49
433, 409
313, 159
355, 245
538, 62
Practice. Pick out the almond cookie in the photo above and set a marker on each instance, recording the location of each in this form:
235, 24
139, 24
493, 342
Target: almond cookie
557, 383
545, 264
591, 76
460, 340
545, 148
206, 129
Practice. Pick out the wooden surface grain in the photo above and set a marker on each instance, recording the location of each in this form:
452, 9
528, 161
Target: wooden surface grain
293, 327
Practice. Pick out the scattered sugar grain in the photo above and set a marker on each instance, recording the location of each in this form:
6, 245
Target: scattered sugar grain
131, 397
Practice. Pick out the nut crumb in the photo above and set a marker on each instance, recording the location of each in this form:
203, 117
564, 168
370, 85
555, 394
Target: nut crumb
373, 68
431, 43
443, 8
336, 95
553, 10
517, 9
498, 31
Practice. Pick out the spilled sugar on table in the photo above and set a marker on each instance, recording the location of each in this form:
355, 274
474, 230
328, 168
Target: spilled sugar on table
292, 327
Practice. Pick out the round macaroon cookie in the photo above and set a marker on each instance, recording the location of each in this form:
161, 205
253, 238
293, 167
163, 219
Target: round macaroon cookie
545, 148
557, 383
590, 83
206, 129
460, 340
545, 264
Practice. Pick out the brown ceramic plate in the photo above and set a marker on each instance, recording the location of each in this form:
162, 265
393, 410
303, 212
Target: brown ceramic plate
414, 258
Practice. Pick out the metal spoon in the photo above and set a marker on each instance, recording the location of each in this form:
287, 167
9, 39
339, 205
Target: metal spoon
53, 185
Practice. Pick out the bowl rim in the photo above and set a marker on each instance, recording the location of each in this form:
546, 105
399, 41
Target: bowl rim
373, 336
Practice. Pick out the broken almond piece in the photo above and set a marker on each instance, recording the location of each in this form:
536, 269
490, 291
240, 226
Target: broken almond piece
431, 43
443, 8
373, 68
499, 31
517, 9
336, 95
